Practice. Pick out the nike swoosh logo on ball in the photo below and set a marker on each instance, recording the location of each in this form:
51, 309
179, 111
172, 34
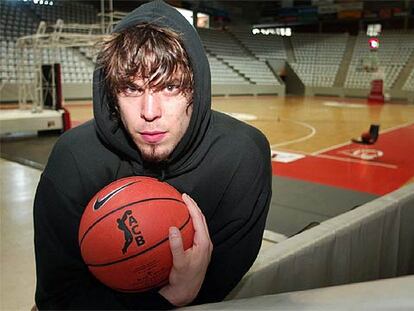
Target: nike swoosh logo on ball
101, 202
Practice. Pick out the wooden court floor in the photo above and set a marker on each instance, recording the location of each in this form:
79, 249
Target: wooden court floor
312, 126
309, 125
320, 126
305, 125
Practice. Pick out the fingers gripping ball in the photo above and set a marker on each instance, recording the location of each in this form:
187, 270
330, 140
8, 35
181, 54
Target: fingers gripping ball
123, 233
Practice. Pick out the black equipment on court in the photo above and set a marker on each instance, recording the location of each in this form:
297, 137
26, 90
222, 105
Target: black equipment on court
52, 86
368, 138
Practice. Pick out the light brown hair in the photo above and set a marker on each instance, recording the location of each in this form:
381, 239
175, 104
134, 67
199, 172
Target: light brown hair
150, 52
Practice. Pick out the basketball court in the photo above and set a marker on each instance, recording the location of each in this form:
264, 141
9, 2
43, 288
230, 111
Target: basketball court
318, 172
311, 145
310, 139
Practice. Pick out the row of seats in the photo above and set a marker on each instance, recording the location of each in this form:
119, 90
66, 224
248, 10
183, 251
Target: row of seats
15, 21
316, 75
242, 54
70, 12
221, 45
393, 54
16, 64
361, 79
223, 74
318, 57
21, 18
320, 48
90, 53
254, 70
409, 84
261, 46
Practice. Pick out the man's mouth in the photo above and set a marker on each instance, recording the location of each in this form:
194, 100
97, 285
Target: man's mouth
153, 137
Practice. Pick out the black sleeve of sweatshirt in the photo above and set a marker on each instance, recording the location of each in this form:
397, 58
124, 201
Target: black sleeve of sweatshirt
238, 224
63, 279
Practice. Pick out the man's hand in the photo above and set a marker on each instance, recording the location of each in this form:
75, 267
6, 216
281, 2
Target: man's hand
190, 266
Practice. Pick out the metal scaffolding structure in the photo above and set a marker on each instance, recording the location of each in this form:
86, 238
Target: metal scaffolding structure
52, 38
39, 57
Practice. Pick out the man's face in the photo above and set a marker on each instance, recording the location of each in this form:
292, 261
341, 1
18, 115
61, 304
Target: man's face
156, 120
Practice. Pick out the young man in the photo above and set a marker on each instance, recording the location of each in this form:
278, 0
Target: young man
153, 117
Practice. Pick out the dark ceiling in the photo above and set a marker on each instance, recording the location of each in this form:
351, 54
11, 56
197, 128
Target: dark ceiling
255, 12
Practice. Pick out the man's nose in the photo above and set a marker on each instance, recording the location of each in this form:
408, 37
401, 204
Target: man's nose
151, 108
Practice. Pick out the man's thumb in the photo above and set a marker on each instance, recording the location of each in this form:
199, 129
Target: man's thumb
176, 245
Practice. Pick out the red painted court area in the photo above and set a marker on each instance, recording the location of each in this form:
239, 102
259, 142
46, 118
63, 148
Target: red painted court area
377, 169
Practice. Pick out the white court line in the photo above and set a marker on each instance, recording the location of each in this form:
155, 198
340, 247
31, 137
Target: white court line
330, 148
348, 143
397, 127
343, 159
312, 133
392, 166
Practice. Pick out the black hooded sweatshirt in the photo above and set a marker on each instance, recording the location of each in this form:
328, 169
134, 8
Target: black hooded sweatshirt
222, 163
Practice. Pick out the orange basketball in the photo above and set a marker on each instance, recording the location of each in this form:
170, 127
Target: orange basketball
123, 233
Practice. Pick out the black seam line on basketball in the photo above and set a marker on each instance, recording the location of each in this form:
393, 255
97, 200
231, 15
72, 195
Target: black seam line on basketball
101, 202
138, 254
141, 289
121, 207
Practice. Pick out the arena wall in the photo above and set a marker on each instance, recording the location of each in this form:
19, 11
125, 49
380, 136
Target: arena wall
373, 241
79, 91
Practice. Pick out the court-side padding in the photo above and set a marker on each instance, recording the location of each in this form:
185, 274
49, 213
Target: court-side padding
385, 294
374, 241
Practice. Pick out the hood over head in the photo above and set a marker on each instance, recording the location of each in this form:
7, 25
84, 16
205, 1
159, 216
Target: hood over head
115, 136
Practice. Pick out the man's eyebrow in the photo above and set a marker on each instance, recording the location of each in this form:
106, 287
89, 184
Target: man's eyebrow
133, 84
172, 81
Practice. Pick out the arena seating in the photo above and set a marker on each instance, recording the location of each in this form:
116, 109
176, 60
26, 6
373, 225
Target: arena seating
393, 55
232, 54
70, 12
89, 52
20, 19
256, 71
316, 74
236, 56
7, 63
223, 74
75, 68
15, 22
409, 84
318, 57
261, 46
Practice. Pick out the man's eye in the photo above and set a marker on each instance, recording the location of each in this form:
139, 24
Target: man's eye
132, 91
172, 88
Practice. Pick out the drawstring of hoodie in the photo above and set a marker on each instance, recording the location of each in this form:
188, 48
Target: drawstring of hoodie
156, 171
162, 178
